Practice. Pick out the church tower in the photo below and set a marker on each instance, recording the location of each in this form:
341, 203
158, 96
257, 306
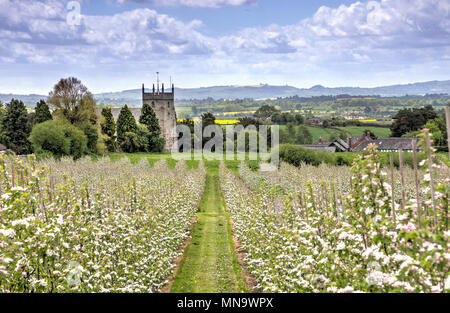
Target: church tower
163, 104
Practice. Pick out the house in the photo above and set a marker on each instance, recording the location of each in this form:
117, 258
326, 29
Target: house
391, 144
335, 146
315, 121
325, 146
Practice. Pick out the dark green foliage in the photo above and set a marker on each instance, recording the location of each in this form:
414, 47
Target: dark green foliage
42, 113
17, 127
143, 138
125, 124
304, 135
208, 119
58, 138
188, 122
409, 120
3, 138
157, 144
149, 119
265, 111
296, 155
286, 117
108, 127
246, 121
130, 142
370, 133
91, 133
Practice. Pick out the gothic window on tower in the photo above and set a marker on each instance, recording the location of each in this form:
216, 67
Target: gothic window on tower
153, 103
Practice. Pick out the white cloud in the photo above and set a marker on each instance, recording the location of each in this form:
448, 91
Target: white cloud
193, 3
142, 34
383, 36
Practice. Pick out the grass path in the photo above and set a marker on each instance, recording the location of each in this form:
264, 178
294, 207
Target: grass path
210, 264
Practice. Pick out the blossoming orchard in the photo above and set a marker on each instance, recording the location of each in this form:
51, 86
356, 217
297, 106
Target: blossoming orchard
102, 225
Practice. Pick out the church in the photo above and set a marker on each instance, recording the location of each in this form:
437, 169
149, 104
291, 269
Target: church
163, 104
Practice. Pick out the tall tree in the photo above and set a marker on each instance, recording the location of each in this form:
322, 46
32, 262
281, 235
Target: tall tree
304, 136
125, 124
42, 113
208, 119
149, 119
265, 111
108, 127
408, 120
3, 137
17, 127
73, 101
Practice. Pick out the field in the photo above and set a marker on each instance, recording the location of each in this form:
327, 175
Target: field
150, 223
317, 131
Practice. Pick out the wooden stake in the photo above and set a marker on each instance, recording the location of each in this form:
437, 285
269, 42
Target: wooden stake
430, 166
391, 160
402, 177
416, 180
447, 118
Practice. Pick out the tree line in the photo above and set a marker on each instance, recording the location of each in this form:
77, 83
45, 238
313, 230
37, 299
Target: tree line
74, 128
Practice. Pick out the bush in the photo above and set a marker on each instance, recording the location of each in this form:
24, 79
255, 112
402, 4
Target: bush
143, 135
157, 144
130, 143
91, 132
58, 138
296, 155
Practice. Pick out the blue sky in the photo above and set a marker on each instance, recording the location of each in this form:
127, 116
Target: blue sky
120, 44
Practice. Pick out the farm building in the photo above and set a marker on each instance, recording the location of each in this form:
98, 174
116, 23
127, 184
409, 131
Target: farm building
391, 144
314, 121
335, 146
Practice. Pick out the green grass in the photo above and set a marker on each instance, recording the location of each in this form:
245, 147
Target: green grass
317, 131
210, 263
358, 130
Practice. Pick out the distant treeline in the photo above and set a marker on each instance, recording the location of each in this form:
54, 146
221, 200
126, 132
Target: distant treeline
369, 103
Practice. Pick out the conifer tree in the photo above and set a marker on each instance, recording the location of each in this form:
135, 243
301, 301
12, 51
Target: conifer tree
17, 127
108, 126
149, 119
125, 124
42, 113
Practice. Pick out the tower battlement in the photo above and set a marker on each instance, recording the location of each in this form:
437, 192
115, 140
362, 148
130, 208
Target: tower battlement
158, 94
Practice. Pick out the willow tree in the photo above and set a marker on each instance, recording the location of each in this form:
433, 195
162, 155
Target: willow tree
73, 101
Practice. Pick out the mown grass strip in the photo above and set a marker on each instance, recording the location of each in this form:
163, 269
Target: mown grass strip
210, 263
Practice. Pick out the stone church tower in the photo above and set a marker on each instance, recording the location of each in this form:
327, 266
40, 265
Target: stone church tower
163, 105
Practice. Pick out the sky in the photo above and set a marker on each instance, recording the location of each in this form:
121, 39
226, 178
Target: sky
114, 45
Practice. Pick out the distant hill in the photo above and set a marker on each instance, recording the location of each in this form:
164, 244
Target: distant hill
133, 97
